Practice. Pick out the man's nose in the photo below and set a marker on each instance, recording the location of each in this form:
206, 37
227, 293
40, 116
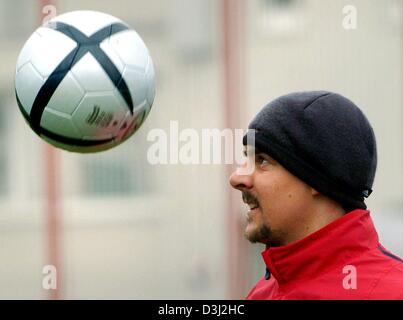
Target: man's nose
241, 179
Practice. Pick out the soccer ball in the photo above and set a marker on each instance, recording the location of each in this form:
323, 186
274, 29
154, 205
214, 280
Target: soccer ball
84, 82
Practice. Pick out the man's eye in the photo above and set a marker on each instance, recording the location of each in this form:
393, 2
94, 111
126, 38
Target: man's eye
261, 161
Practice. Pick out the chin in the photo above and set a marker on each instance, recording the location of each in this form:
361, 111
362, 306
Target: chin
250, 229
260, 234
252, 234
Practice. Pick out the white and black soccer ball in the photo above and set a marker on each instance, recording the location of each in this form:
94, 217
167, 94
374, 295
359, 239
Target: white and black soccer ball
85, 81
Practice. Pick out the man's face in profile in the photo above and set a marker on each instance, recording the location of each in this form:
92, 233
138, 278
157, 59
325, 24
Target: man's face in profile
277, 200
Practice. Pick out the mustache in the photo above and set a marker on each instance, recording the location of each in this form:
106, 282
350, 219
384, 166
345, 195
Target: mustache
248, 197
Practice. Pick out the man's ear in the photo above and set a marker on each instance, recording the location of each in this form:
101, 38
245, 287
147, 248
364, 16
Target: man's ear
314, 192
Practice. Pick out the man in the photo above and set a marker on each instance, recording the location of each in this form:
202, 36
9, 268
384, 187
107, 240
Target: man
314, 163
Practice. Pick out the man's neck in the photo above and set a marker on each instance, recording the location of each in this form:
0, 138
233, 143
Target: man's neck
320, 216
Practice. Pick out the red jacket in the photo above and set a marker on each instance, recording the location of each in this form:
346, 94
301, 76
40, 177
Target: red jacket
343, 260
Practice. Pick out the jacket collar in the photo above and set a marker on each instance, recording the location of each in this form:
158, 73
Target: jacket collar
327, 248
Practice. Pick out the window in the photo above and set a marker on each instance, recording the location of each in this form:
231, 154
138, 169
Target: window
122, 171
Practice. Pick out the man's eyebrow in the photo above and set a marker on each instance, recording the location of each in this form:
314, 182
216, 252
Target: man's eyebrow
265, 155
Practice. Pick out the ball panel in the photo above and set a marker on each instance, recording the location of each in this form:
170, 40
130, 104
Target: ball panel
99, 115
111, 53
87, 22
150, 80
27, 84
67, 96
136, 81
131, 124
59, 122
91, 76
130, 48
51, 49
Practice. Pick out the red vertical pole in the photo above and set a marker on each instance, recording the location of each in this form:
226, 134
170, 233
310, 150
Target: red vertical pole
52, 214
52, 204
232, 31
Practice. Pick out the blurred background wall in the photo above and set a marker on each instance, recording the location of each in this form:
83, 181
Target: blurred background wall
132, 230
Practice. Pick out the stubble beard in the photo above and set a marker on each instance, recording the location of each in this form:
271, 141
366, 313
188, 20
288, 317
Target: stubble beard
263, 234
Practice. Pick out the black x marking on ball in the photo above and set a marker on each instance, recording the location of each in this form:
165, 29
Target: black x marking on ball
84, 45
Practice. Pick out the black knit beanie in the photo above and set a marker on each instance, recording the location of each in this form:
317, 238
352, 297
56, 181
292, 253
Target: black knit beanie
322, 138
